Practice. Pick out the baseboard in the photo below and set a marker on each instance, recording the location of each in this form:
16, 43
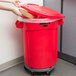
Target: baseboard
20, 60
11, 63
68, 58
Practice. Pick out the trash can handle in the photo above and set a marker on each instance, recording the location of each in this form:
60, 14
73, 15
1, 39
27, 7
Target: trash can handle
60, 22
19, 24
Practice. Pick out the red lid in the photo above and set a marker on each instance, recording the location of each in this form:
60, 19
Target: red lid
42, 11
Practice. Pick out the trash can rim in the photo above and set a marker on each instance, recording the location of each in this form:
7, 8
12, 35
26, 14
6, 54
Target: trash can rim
42, 20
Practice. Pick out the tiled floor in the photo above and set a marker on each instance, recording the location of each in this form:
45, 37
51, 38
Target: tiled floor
63, 68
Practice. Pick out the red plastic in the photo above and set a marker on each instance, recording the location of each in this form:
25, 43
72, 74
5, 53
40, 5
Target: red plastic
19, 24
42, 11
31, 26
40, 44
40, 39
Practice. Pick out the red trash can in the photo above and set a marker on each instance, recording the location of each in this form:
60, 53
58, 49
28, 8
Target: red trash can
40, 37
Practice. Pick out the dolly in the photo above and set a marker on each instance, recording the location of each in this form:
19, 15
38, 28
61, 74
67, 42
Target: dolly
39, 71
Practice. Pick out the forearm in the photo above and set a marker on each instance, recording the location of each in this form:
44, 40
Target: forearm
9, 8
5, 7
10, 1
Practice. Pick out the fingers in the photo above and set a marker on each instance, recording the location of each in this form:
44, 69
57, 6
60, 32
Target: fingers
16, 11
16, 3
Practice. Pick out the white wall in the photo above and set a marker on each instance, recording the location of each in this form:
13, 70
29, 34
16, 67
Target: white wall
40, 2
11, 37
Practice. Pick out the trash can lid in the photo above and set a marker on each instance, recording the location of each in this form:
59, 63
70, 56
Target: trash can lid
42, 11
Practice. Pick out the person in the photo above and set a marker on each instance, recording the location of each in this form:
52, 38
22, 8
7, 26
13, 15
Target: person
17, 11
9, 8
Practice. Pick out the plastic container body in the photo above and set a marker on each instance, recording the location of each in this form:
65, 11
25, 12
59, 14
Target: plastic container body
40, 36
40, 43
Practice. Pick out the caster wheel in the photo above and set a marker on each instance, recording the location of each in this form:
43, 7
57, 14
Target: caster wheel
48, 73
33, 74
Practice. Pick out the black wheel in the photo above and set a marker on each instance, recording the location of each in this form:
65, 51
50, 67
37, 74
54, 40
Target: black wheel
25, 68
48, 73
33, 73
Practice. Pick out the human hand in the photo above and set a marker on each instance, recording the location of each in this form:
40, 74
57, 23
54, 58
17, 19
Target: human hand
16, 11
16, 2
